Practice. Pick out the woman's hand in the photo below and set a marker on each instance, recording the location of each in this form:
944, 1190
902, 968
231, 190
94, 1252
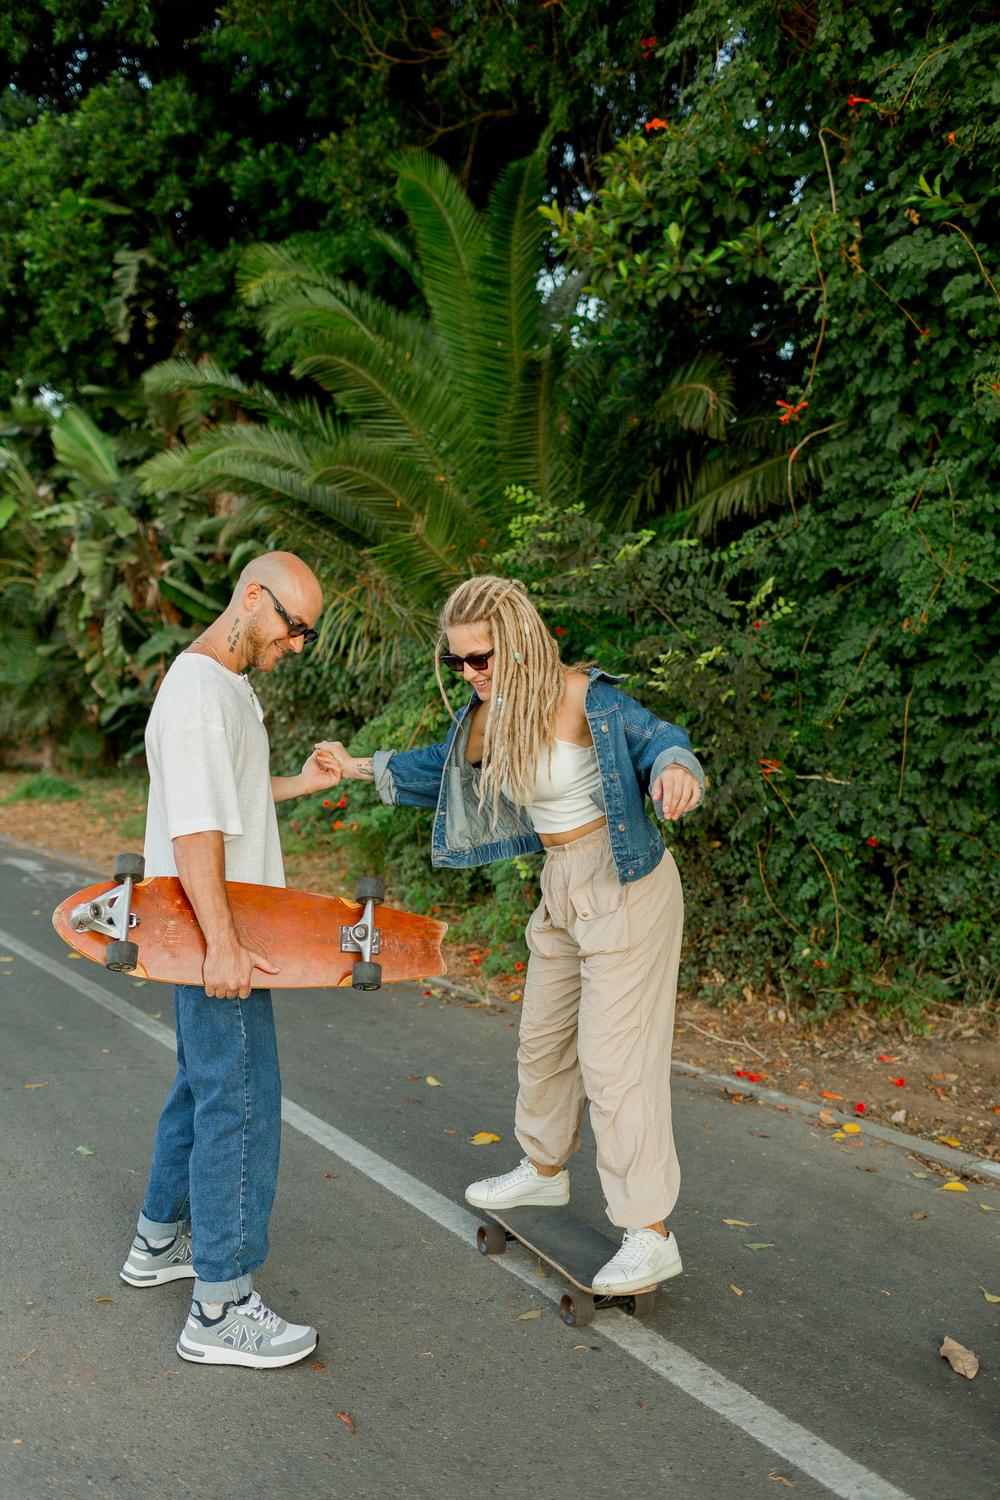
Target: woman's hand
678, 791
332, 756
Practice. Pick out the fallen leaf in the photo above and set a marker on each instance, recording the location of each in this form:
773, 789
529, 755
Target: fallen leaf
433, 1082
526, 1317
319, 1365
850, 1128
413, 1077
962, 1360
16, 1442
34, 1085
737, 1289
6, 958
104, 1299
989, 1295
827, 1117
781, 1478
888, 1057
743, 1223
27, 1353
347, 1419
918, 1216
838, 1135
449, 1130
828, 1095
768, 1245
949, 1140
483, 1138
952, 1187
579, 1346
988, 1208
85, 1151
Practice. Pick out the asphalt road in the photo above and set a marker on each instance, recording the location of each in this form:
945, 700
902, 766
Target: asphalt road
822, 1377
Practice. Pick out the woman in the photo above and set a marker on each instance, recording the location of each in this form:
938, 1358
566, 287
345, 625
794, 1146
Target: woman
545, 756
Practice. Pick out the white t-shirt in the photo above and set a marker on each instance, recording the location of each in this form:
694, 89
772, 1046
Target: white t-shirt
209, 768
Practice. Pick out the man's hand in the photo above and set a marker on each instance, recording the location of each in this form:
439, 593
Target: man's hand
331, 754
678, 790
228, 967
319, 775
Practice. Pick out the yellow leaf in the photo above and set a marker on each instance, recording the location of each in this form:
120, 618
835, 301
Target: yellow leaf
525, 1317
34, 1085
988, 1208
6, 958
953, 1187
434, 1083
949, 1140
737, 1289
989, 1295
838, 1135
851, 1129
483, 1138
104, 1299
743, 1223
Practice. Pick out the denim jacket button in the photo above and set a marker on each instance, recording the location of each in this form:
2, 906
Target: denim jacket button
621, 827
604, 728
631, 872
614, 775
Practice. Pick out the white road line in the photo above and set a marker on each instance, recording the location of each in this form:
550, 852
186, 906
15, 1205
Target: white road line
792, 1443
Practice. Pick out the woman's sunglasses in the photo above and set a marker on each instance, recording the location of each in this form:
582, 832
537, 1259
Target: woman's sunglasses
476, 660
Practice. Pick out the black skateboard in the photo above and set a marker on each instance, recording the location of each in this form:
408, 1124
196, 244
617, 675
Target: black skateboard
573, 1249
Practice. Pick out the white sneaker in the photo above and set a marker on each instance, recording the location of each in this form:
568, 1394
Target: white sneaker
524, 1185
245, 1333
644, 1260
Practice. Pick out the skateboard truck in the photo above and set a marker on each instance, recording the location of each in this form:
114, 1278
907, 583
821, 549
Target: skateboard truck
112, 914
363, 936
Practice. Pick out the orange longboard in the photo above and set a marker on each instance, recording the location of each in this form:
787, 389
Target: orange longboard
301, 933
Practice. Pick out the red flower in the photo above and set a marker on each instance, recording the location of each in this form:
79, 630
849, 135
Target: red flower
791, 413
656, 124
951, 138
436, 32
888, 1057
819, 963
338, 824
853, 99
342, 802
327, 804
899, 1083
519, 965
560, 630
428, 992
873, 842
860, 1109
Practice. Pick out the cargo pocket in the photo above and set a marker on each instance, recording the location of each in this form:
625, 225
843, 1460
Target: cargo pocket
601, 921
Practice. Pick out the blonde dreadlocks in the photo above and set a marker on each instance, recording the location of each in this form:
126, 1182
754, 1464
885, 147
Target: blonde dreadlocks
528, 681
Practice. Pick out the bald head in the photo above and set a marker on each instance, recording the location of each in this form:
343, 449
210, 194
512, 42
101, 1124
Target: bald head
289, 577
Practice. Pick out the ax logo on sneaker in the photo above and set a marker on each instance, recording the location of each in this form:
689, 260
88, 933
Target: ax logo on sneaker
239, 1336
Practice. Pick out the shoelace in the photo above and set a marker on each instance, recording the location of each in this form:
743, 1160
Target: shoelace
632, 1251
255, 1308
523, 1169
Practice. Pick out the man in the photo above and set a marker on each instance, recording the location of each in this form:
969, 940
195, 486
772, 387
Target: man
211, 819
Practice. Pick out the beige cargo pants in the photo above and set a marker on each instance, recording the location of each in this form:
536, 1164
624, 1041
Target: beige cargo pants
597, 1023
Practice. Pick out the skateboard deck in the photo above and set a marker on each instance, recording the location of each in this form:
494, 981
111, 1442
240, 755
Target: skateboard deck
300, 932
574, 1250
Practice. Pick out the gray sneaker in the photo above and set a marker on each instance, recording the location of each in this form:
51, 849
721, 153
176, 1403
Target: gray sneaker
147, 1266
244, 1333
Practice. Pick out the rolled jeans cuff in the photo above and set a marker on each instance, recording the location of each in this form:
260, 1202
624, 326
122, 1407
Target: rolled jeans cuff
223, 1291
150, 1230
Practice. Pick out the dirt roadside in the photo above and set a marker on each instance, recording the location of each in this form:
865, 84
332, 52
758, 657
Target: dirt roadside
943, 1085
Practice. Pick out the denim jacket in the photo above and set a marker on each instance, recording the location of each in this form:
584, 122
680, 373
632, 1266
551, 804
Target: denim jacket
632, 744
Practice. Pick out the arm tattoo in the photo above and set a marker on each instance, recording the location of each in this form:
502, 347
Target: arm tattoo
364, 770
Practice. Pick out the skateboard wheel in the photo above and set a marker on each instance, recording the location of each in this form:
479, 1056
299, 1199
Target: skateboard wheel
577, 1309
370, 888
121, 956
130, 866
640, 1304
366, 976
491, 1239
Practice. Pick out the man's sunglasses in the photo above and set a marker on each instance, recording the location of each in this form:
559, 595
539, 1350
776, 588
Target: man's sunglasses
295, 627
476, 660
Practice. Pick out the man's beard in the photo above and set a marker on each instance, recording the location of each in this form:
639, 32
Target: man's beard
258, 649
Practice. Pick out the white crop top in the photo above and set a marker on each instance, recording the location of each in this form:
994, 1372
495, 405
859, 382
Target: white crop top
562, 797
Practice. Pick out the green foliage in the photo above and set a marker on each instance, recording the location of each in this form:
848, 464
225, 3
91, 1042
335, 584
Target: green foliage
399, 484
44, 787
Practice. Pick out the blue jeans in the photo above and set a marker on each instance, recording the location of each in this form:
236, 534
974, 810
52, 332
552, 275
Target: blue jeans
215, 1157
